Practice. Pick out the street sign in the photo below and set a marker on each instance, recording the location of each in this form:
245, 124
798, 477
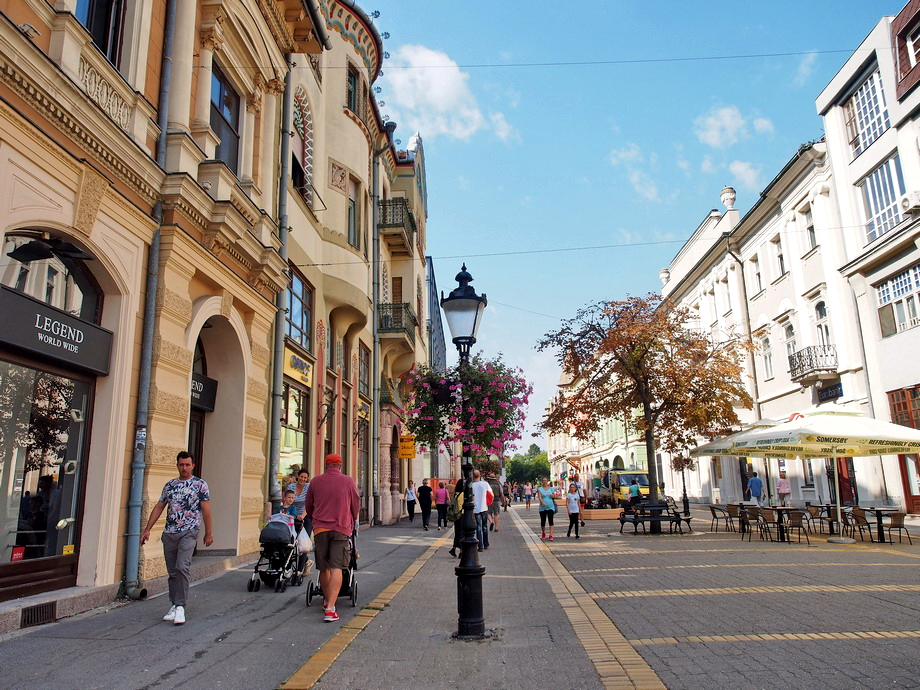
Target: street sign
406, 447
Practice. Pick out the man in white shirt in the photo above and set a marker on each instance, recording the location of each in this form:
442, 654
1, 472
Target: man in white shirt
481, 489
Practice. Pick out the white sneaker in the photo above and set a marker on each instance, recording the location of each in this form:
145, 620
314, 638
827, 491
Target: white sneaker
180, 616
171, 614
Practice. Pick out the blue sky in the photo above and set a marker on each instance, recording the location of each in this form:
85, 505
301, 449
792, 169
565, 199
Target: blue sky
562, 182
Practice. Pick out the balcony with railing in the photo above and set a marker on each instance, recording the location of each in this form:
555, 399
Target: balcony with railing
397, 320
397, 226
812, 364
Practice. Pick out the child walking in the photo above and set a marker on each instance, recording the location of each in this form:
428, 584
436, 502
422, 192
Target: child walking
573, 505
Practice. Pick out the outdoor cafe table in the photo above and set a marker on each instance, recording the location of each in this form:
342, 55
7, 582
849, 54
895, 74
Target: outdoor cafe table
830, 510
781, 512
879, 512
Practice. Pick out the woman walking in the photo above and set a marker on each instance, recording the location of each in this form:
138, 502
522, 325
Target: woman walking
441, 495
528, 494
424, 502
410, 500
547, 508
299, 511
573, 506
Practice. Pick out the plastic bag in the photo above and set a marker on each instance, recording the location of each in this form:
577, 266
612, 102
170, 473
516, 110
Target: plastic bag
304, 543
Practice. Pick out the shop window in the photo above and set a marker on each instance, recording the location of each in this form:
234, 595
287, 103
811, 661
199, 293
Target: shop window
295, 418
104, 19
299, 321
346, 439
225, 119
905, 406
43, 426
46, 273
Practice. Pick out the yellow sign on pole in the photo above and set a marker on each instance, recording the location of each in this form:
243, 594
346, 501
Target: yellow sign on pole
406, 447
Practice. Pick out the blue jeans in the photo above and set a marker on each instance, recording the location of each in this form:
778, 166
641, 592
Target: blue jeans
482, 529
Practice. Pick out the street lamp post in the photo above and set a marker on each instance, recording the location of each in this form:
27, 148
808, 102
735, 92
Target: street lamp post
463, 309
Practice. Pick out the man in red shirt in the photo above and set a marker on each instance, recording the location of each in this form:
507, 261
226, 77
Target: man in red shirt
333, 504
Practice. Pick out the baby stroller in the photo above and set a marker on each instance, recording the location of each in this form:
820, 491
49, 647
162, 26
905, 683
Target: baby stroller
349, 583
278, 559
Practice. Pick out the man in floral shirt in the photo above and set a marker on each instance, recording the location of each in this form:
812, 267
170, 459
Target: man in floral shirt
189, 502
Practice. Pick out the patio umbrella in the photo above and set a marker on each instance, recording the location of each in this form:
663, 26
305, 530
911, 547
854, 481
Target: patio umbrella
831, 433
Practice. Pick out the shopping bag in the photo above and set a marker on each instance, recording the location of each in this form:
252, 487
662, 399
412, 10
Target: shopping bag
304, 543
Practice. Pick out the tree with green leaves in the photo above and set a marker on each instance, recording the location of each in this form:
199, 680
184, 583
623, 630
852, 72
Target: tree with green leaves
640, 358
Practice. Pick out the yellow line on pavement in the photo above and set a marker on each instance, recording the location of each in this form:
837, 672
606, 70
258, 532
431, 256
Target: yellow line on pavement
746, 565
777, 637
320, 662
776, 589
616, 661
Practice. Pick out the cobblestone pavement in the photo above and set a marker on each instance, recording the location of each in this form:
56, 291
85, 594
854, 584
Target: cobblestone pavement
710, 611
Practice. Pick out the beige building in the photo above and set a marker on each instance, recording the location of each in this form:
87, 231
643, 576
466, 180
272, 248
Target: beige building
118, 176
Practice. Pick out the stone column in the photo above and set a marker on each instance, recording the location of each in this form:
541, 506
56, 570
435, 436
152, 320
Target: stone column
248, 133
183, 67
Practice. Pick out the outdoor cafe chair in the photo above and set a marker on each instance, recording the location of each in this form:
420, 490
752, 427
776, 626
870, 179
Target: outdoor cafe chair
814, 517
745, 525
734, 513
859, 522
796, 520
768, 522
897, 523
720, 514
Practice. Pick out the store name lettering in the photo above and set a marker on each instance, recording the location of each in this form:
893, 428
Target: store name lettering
58, 334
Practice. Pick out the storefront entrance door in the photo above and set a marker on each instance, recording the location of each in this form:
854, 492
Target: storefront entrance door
910, 475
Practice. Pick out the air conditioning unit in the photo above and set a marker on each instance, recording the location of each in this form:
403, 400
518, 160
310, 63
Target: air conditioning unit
910, 202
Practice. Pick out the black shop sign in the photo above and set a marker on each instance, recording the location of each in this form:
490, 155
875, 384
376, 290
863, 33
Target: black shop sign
48, 332
203, 393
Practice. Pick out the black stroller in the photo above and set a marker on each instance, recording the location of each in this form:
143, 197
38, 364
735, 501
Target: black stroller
349, 582
279, 559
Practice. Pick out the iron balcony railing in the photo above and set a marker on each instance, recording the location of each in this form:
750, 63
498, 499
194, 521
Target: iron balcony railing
397, 224
397, 318
813, 361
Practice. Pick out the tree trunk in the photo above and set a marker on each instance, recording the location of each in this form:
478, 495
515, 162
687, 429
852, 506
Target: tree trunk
653, 496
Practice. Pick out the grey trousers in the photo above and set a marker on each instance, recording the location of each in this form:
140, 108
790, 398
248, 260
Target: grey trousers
177, 549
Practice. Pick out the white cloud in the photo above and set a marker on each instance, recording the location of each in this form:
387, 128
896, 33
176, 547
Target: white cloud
502, 129
763, 125
707, 166
643, 185
463, 182
631, 153
805, 69
429, 94
721, 127
746, 173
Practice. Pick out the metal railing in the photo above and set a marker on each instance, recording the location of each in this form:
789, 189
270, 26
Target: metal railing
396, 215
812, 360
397, 318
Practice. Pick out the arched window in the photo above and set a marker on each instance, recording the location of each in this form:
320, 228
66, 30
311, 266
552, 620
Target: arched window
766, 353
302, 146
821, 324
789, 334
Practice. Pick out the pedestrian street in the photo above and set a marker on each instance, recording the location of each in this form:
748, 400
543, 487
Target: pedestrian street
699, 610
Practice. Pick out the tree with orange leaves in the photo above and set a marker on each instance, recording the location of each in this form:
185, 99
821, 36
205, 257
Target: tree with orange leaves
640, 358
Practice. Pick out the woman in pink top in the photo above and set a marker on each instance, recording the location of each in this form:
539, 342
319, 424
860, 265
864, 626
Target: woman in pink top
441, 496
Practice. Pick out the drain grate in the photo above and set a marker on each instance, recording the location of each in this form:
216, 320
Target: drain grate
38, 615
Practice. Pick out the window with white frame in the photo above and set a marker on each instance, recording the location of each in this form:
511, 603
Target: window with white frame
756, 275
811, 238
780, 259
789, 338
225, 119
866, 114
881, 192
726, 295
766, 356
898, 297
808, 474
913, 45
822, 327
